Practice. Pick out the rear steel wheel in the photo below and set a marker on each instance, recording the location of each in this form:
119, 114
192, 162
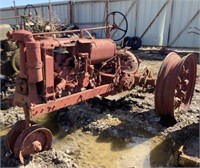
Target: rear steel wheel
32, 140
175, 84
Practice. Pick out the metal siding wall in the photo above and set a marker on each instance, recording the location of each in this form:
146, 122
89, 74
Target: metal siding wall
89, 14
147, 11
61, 12
92, 14
45, 12
7, 13
182, 15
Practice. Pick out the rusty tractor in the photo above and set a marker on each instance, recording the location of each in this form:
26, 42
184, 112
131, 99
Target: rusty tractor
60, 72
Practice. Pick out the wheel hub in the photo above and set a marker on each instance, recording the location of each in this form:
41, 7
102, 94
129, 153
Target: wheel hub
37, 146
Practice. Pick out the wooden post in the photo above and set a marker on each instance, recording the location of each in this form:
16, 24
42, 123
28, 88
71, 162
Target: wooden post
16, 12
50, 16
107, 26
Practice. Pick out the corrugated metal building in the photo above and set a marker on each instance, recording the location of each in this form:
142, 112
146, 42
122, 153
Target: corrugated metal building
172, 23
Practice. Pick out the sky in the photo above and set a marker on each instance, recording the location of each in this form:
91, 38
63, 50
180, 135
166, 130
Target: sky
9, 3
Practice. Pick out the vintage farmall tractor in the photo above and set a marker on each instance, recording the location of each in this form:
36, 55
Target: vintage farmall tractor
60, 72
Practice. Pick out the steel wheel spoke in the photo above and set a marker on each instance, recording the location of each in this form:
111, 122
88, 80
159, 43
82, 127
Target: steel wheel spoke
121, 29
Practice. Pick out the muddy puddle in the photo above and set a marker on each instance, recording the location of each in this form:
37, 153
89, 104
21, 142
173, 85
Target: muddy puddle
91, 151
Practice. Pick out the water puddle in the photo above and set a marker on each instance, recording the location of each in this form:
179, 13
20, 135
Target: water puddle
96, 151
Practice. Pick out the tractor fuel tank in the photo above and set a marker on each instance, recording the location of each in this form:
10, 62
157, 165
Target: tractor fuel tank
101, 50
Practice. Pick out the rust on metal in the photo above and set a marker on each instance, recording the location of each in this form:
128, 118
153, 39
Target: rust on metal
175, 84
65, 77
71, 31
69, 100
32, 140
34, 62
59, 72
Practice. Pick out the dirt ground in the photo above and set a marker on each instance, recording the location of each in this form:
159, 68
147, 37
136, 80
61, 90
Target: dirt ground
114, 132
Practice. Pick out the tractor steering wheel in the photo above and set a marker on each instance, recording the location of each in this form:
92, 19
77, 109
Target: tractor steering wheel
119, 26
